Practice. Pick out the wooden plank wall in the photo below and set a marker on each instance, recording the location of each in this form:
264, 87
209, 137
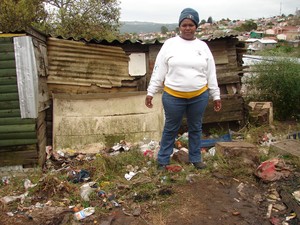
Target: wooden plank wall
229, 69
227, 59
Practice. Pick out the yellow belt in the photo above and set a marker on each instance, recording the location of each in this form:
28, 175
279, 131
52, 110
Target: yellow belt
180, 94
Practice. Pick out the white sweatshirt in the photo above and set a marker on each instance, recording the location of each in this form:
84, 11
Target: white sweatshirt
184, 66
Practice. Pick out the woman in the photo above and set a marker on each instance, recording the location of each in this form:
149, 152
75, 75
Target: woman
185, 69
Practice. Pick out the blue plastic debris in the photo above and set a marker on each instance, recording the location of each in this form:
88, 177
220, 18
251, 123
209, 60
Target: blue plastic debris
205, 143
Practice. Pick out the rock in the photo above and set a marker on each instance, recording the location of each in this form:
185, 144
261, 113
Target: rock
246, 153
181, 157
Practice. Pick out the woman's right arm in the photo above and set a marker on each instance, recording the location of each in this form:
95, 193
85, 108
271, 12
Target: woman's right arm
158, 77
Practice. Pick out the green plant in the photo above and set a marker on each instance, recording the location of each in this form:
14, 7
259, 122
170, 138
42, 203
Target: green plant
277, 81
282, 49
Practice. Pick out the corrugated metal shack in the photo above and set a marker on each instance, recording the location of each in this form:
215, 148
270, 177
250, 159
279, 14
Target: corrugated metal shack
90, 70
228, 59
23, 98
93, 67
87, 75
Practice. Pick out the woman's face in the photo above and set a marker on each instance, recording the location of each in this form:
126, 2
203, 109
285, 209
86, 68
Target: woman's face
187, 29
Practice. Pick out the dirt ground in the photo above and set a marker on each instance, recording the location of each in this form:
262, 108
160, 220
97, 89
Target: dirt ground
208, 197
205, 201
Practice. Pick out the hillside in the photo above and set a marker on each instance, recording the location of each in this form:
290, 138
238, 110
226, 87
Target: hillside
144, 27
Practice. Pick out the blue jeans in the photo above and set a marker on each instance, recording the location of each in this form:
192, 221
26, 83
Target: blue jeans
174, 109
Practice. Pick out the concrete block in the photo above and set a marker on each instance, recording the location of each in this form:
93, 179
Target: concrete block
238, 149
289, 146
80, 120
262, 112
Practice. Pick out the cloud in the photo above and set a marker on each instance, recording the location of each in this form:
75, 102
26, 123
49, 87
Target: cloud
167, 11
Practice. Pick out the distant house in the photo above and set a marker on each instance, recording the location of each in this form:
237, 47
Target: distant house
256, 34
270, 32
288, 33
264, 43
291, 32
294, 44
260, 44
281, 37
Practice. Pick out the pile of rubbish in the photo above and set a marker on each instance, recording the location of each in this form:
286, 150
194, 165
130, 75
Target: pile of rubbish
66, 163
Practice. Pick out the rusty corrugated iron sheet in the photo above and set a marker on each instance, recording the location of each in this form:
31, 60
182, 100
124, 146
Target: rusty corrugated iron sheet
215, 37
84, 63
209, 37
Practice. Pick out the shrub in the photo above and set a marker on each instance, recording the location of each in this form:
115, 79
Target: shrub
277, 81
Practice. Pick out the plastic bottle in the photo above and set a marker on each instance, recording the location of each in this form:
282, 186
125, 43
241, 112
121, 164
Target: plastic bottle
84, 213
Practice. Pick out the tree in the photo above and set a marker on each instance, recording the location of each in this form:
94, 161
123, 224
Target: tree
17, 15
210, 20
202, 22
84, 18
164, 29
249, 25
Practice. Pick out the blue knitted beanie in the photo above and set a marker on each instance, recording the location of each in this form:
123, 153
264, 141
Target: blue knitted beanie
189, 13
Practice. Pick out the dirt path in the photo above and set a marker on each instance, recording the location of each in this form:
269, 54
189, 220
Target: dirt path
204, 201
210, 201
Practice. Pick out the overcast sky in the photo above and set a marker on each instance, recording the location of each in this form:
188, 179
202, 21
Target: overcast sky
167, 11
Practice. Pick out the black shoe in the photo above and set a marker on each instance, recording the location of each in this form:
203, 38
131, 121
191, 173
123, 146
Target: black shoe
161, 167
199, 165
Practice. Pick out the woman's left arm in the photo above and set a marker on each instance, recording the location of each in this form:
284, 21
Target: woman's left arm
212, 81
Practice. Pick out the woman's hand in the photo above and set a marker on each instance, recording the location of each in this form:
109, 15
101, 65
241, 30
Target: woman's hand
217, 105
148, 101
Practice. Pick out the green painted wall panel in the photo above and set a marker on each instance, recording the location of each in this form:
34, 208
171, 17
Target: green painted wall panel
17, 142
8, 72
9, 96
9, 104
7, 64
8, 80
16, 134
23, 135
10, 113
16, 120
6, 40
9, 88
17, 128
7, 47
7, 55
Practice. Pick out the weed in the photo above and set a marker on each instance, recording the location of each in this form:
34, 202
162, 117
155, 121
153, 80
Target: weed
277, 81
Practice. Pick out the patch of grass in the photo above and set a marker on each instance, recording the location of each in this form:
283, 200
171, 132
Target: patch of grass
54, 187
15, 185
282, 49
108, 168
292, 160
220, 160
217, 131
159, 218
277, 81
264, 157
